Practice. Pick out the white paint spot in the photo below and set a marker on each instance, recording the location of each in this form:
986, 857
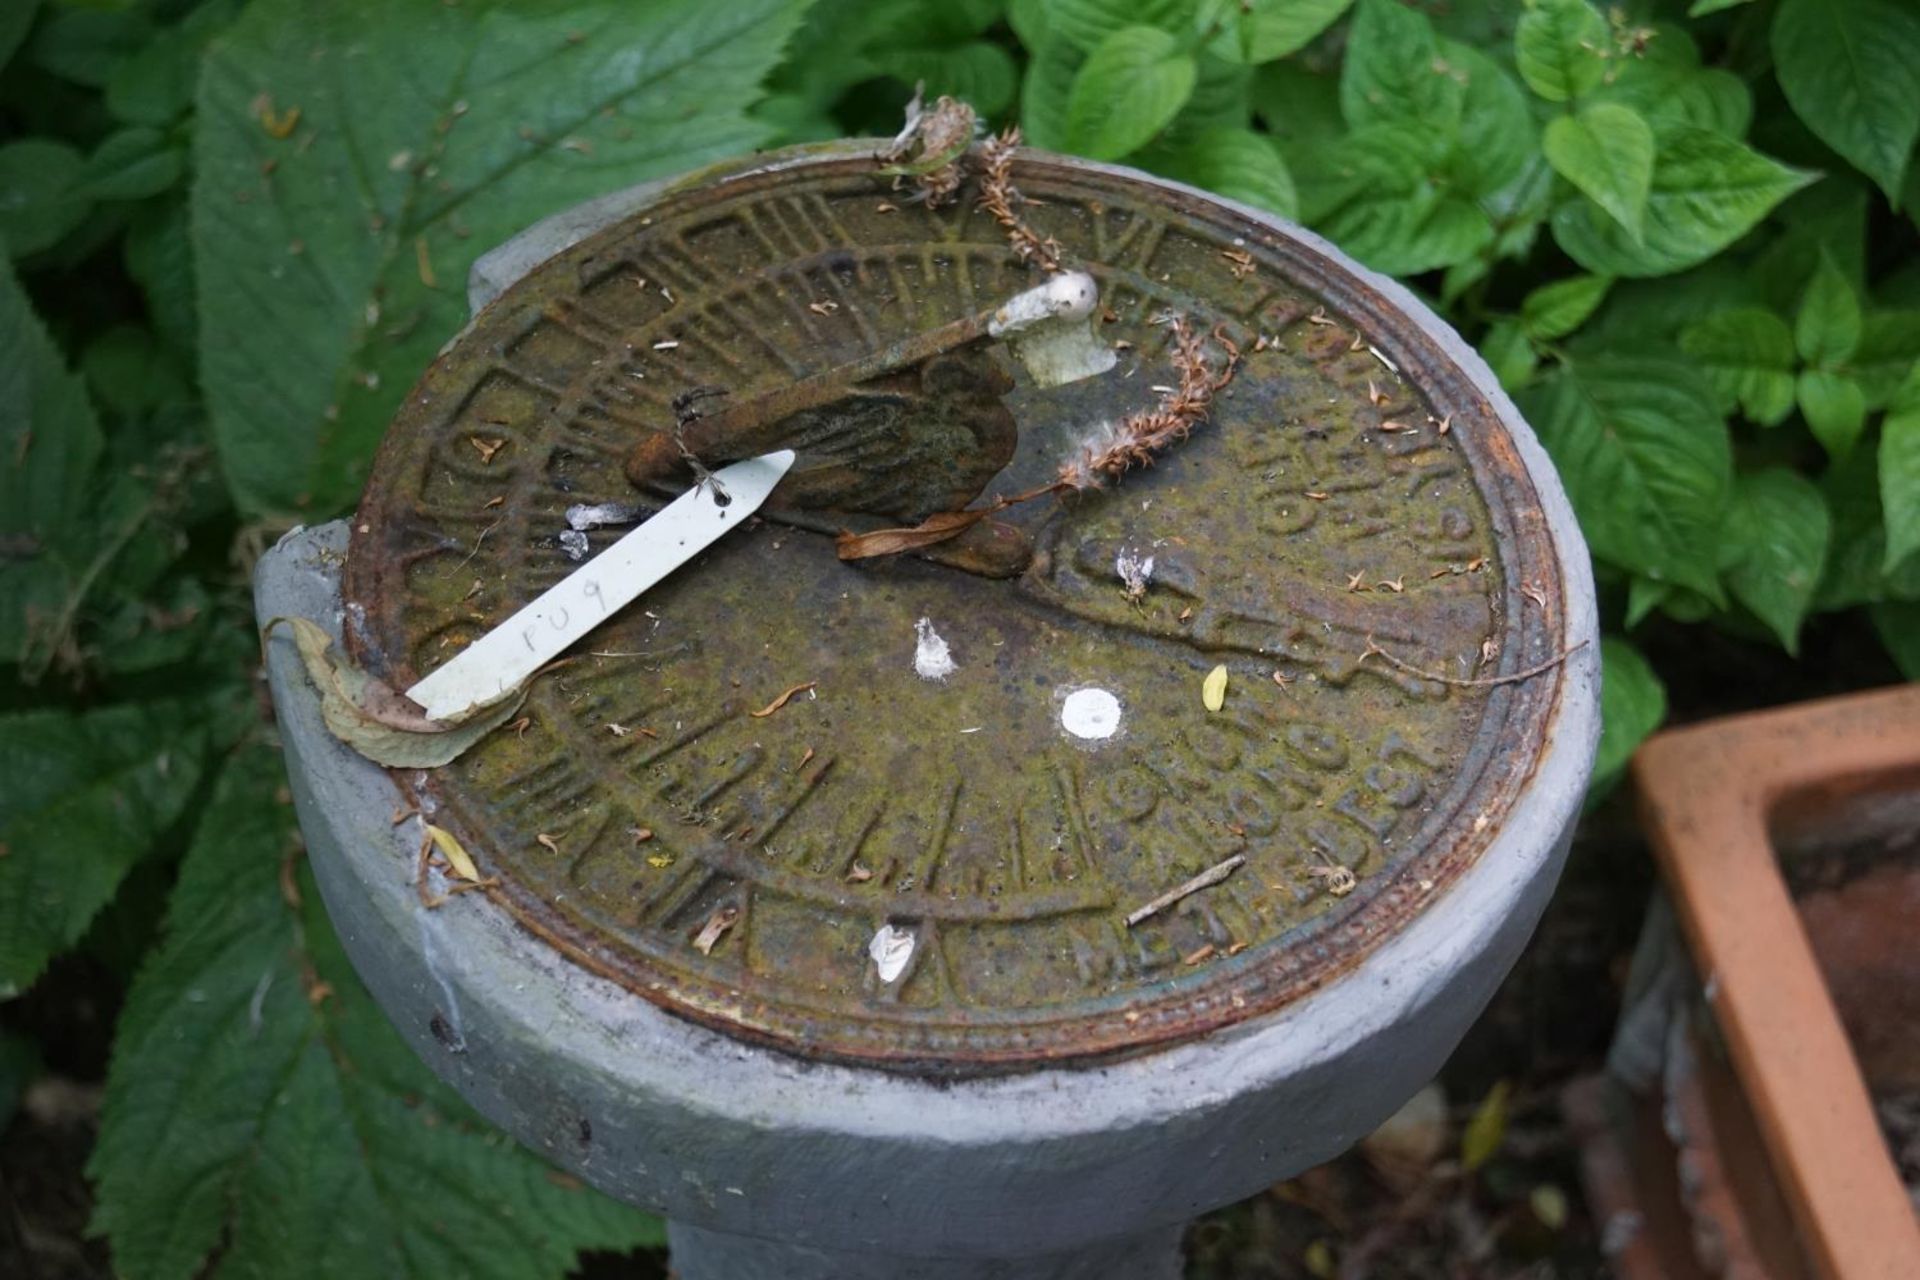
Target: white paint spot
891, 948
931, 656
1091, 714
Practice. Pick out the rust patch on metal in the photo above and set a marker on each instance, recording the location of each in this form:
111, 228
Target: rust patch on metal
963, 811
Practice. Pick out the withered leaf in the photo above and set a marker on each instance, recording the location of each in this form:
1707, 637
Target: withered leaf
454, 852
936, 528
382, 725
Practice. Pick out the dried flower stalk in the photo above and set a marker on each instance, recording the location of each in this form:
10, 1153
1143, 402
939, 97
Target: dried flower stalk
1140, 437
998, 196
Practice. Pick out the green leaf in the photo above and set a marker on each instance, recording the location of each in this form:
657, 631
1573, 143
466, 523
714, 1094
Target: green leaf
86, 796
38, 201
1707, 192
977, 72
1633, 702
1851, 70
1646, 459
1747, 354
1222, 98
1607, 152
1496, 135
1701, 8
1681, 92
1556, 310
1241, 165
1898, 623
1045, 91
1859, 570
1129, 89
1835, 409
1509, 354
1561, 48
131, 165
1827, 328
154, 85
1487, 1129
1778, 530
1394, 74
1086, 24
1298, 106
453, 130
86, 45
16, 20
1900, 471
130, 374
263, 1118
1262, 30
1889, 344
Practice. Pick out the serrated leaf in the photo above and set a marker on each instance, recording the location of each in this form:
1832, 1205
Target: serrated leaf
154, 85
1681, 92
1826, 329
1263, 30
1851, 70
131, 165
1086, 24
1747, 354
1509, 354
1496, 134
412, 154
1835, 409
1241, 165
977, 72
1607, 152
1900, 471
1393, 73
1633, 702
1129, 89
1045, 91
263, 1118
86, 796
1560, 47
1646, 459
1889, 344
1222, 98
1778, 530
86, 45
39, 203
1556, 310
1859, 570
1707, 191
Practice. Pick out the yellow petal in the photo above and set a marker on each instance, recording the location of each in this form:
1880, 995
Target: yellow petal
1213, 691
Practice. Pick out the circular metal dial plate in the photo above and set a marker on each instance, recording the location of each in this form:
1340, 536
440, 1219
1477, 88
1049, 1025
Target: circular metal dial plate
936, 874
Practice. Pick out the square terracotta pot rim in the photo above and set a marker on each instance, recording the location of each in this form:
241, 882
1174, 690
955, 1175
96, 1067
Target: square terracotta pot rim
1711, 796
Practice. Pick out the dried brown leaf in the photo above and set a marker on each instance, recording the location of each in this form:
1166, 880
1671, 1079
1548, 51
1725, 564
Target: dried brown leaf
382, 725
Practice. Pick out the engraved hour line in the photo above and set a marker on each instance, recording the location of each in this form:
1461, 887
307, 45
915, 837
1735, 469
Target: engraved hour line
928, 864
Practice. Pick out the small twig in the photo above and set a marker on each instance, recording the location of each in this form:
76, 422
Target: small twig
782, 700
1374, 650
1205, 880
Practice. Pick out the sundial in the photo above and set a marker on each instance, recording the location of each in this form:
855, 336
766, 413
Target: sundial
935, 854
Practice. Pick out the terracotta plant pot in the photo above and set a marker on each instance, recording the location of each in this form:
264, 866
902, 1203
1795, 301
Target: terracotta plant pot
1790, 841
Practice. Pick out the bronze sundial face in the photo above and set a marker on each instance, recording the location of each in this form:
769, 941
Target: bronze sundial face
936, 873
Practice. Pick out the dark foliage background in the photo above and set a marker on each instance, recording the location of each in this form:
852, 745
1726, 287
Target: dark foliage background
233, 232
